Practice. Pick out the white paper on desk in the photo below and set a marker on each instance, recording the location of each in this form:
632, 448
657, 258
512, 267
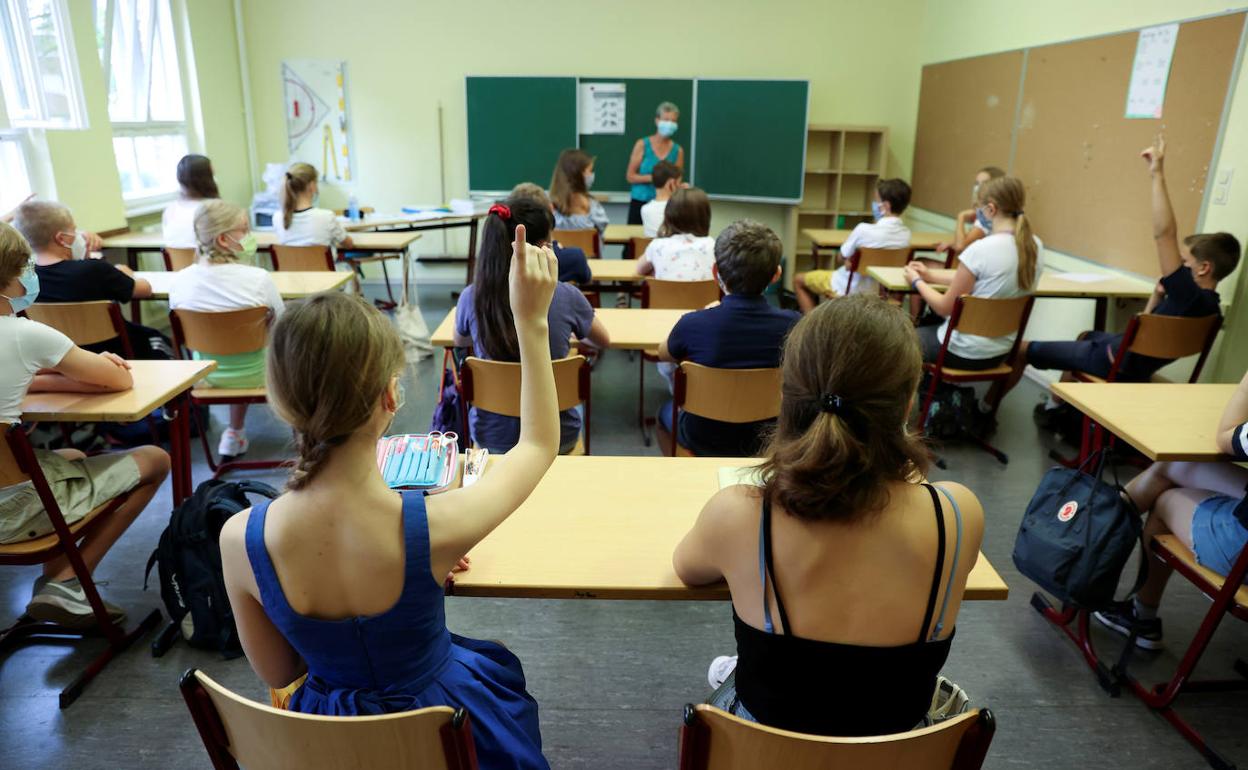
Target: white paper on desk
601, 108
741, 474
1149, 74
1084, 277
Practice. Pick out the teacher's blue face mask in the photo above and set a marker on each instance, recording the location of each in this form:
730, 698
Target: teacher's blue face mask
667, 127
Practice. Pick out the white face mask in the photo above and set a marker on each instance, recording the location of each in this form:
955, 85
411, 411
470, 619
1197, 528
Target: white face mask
78, 247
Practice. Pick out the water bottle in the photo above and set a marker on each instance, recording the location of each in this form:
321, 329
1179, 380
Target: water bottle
353, 208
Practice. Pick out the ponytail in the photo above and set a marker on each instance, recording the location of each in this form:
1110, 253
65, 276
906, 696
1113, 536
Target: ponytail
491, 300
1008, 195
1027, 252
298, 178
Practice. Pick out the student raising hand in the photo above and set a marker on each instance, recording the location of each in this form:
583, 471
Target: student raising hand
534, 273
1156, 154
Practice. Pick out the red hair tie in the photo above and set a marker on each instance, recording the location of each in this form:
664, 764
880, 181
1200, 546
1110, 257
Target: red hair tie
502, 210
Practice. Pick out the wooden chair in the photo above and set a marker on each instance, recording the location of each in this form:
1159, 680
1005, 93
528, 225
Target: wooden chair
18, 465
637, 247
176, 259
1147, 334
85, 323
711, 739
586, 240
222, 333
986, 318
495, 387
302, 258
668, 295
237, 731
727, 395
865, 258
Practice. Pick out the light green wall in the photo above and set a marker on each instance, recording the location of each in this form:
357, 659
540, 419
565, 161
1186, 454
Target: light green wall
956, 29
404, 59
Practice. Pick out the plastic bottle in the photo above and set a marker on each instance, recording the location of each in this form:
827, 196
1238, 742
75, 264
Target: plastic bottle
353, 208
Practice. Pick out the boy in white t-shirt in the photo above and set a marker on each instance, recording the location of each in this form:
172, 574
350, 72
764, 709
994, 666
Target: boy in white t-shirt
39, 358
301, 223
667, 180
892, 196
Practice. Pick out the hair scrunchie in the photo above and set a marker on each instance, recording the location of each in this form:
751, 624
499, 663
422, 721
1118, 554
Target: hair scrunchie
502, 210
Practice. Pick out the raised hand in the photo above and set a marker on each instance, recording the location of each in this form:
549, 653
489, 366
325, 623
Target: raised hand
1155, 154
534, 274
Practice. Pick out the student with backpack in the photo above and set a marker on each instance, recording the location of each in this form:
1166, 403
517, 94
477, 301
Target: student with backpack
342, 578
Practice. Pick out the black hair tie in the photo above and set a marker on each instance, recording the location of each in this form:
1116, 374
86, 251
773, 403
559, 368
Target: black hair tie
832, 404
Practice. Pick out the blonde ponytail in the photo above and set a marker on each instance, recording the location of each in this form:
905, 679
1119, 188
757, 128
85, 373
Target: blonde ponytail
1027, 252
298, 178
1009, 195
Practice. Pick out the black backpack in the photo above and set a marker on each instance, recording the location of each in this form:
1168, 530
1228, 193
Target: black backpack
954, 412
191, 581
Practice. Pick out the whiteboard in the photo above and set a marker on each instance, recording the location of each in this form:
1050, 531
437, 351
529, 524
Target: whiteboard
317, 123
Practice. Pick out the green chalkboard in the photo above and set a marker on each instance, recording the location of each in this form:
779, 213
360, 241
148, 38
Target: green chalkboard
642, 95
750, 139
517, 126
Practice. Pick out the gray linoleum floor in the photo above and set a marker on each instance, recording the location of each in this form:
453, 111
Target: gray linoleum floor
611, 677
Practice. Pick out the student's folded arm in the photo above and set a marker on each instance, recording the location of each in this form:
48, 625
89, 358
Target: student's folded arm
665, 354
346, 243
142, 289
694, 557
1234, 415
598, 334
644, 267
942, 304
461, 340
81, 371
273, 658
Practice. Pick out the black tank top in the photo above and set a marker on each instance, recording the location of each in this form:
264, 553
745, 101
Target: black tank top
827, 688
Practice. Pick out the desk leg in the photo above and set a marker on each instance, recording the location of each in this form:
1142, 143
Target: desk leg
136, 309
472, 250
814, 255
1102, 311
180, 449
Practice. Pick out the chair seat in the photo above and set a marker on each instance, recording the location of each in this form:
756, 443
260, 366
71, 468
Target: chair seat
962, 375
1183, 554
49, 542
1085, 377
224, 394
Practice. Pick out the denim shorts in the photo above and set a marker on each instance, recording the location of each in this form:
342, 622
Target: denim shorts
1217, 536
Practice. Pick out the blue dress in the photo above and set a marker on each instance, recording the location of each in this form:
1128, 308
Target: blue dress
404, 658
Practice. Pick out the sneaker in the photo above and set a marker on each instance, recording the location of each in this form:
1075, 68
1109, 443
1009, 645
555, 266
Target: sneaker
233, 443
1047, 418
65, 603
1121, 618
721, 668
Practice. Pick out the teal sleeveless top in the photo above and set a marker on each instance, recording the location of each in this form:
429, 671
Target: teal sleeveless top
645, 192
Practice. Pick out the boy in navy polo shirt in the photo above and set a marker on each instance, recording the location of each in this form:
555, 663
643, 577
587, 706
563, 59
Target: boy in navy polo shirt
742, 332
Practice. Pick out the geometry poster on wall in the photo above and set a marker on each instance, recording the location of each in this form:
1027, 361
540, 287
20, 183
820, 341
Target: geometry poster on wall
317, 122
1154, 51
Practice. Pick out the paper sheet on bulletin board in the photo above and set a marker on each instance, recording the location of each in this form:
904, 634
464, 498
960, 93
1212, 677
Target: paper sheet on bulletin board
317, 122
1154, 52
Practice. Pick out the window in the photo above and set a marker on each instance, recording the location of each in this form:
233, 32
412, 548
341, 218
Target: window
13, 171
139, 52
38, 68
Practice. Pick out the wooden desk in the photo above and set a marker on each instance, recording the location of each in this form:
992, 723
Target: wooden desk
834, 239
1052, 284
376, 242
1164, 421
629, 329
292, 285
621, 234
556, 546
156, 383
605, 270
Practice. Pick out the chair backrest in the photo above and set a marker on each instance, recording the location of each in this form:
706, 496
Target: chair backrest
302, 258
237, 731
176, 259
678, 295
585, 240
714, 739
495, 385
864, 258
989, 317
728, 395
639, 246
221, 333
85, 323
1173, 337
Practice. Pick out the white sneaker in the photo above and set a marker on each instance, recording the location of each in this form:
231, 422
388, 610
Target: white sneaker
65, 603
720, 669
233, 443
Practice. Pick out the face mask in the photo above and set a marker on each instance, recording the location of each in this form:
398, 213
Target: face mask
78, 248
246, 247
877, 209
589, 179
981, 217
29, 280
400, 396
667, 127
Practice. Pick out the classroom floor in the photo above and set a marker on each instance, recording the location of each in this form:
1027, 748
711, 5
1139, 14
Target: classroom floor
611, 677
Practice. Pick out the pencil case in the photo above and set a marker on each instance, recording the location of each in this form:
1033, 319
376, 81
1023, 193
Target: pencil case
417, 460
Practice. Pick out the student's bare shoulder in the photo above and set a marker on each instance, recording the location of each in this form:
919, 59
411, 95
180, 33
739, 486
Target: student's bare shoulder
968, 504
735, 504
234, 531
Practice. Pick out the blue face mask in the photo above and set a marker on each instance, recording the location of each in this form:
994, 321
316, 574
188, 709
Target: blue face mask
667, 128
877, 209
29, 280
983, 220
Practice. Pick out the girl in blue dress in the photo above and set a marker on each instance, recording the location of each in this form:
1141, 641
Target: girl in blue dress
340, 577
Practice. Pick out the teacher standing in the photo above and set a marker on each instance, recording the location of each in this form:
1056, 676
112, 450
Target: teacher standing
649, 151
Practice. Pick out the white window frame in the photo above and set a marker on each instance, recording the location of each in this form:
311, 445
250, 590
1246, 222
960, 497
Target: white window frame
21, 139
77, 119
148, 203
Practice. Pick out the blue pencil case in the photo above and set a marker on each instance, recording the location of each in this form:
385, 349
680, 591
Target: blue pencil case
418, 460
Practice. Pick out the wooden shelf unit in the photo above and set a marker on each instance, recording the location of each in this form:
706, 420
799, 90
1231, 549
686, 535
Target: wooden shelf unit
843, 163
